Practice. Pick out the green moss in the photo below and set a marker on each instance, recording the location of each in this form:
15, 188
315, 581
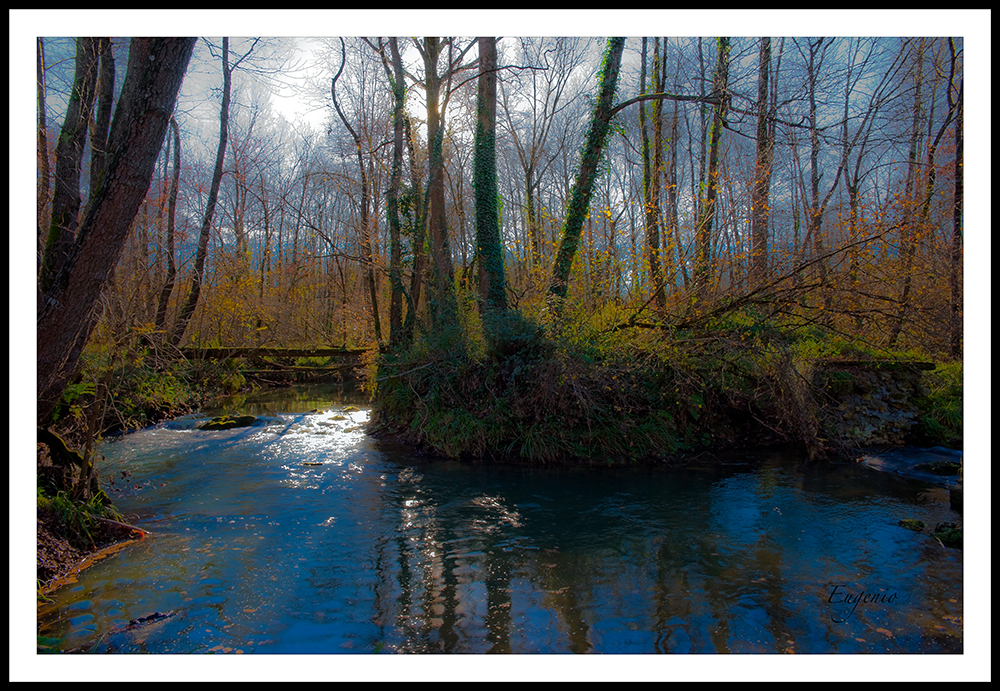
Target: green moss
591, 393
940, 417
949, 534
228, 422
79, 518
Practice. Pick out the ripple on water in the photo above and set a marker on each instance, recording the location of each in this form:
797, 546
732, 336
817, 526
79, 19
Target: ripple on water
256, 550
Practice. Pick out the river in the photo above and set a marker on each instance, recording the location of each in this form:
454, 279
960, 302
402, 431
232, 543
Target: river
302, 534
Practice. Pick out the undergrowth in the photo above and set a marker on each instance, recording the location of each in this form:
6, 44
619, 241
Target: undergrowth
508, 388
940, 418
79, 519
137, 381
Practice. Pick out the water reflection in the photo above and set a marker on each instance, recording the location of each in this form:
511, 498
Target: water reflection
302, 535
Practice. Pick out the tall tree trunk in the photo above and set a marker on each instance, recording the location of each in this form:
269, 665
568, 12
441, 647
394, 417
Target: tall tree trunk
954, 274
489, 246
69, 311
531, 216
703, 233
69, 157
43, 154
444, 308
102, 119
760, 194
168, 285
419, 235
586, 175
664, 262
651, 180
673, 230
396, 78
187, 310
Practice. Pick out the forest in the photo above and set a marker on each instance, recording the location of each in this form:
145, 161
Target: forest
542, 248
548, 248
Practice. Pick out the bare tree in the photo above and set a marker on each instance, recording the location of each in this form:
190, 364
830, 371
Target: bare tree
366, 240
926, 194
168, 285
533, 101
187, 310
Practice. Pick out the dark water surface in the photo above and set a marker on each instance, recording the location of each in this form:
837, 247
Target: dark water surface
303, 535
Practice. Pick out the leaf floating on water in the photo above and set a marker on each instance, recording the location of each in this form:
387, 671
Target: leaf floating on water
886, 632
224, 649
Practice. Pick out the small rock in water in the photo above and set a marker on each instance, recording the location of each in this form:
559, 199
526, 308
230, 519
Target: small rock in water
228, 422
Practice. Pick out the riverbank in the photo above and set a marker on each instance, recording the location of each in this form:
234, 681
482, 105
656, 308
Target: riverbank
520, 396
59, 556
516, 394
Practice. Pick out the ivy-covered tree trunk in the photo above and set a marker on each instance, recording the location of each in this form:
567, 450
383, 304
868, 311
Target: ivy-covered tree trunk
579, 201
760, 193
651, 178
69, 311
418, 207
489, 246
392, 201
703, 234
674, 246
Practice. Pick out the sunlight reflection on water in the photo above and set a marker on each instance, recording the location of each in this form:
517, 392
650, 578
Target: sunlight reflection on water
303, 535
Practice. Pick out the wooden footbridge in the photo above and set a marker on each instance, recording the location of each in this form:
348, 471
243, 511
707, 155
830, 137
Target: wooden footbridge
279, 364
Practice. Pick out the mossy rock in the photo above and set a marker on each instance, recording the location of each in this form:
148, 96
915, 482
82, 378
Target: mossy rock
949, 534
957, 499
940, 468
912, 524
228, 422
